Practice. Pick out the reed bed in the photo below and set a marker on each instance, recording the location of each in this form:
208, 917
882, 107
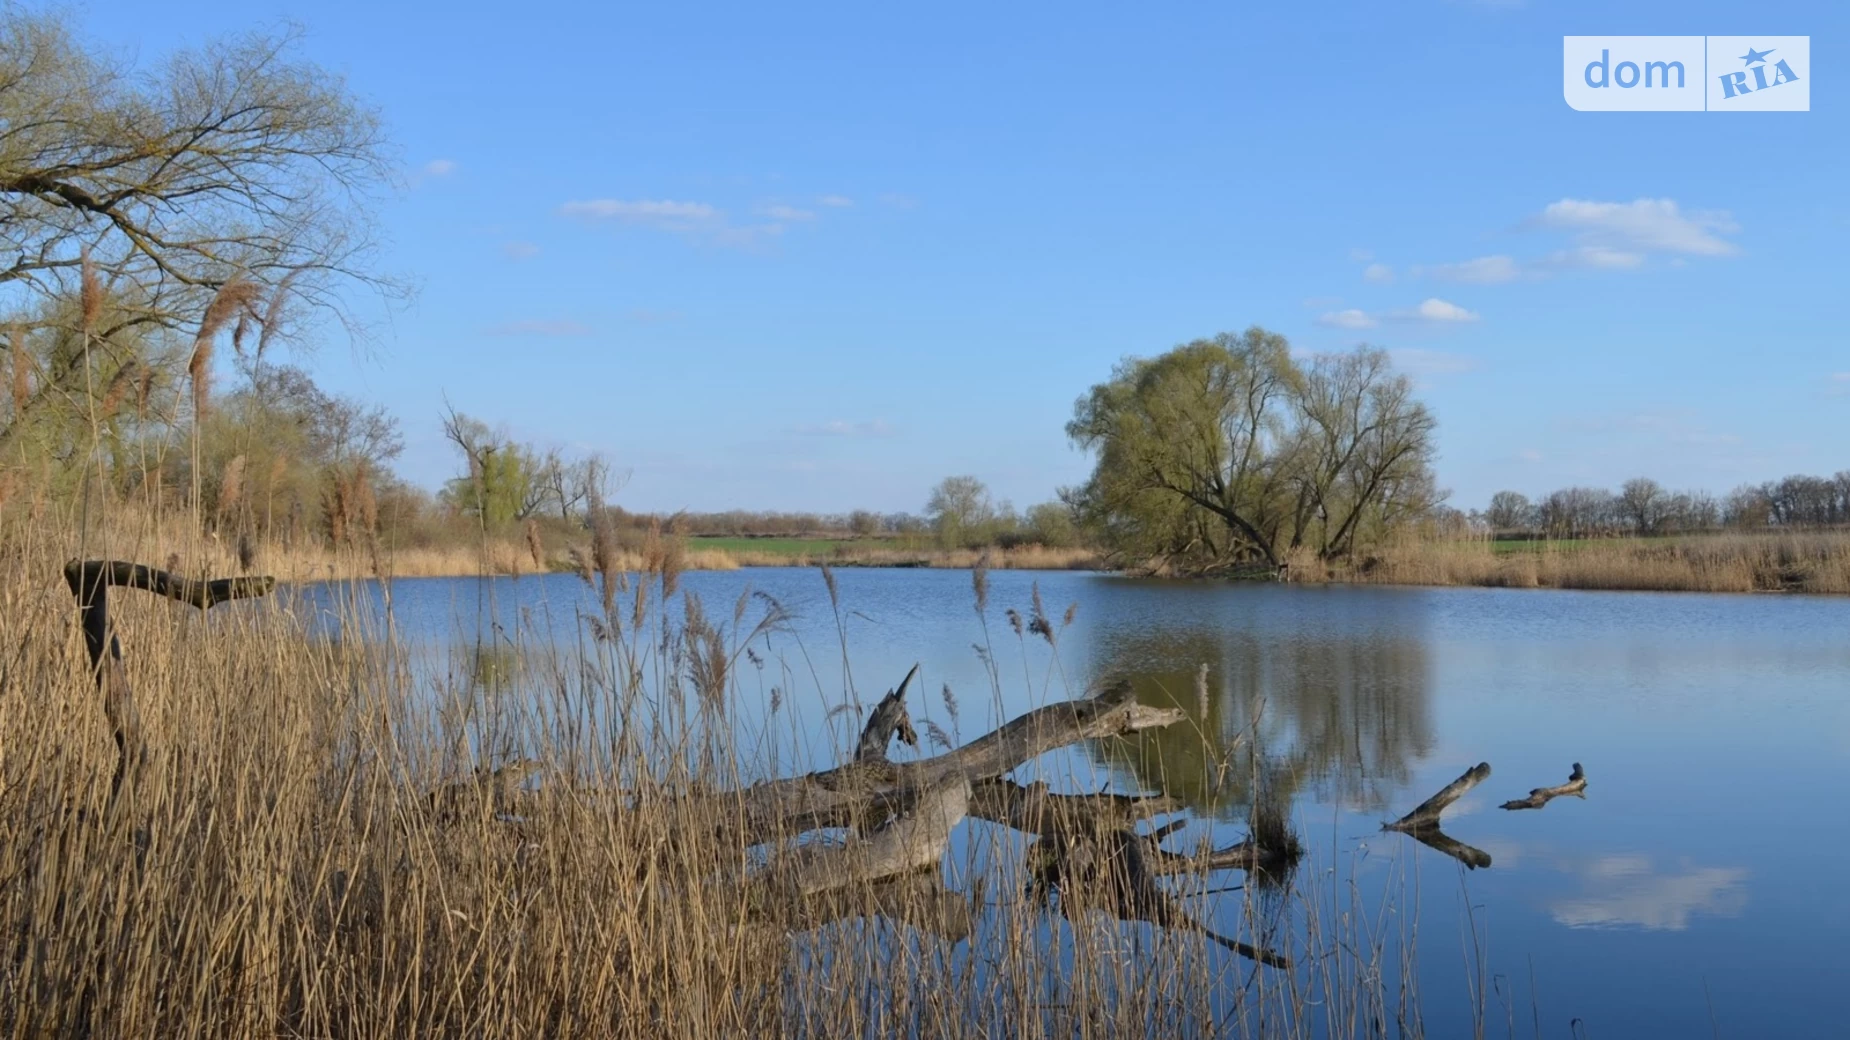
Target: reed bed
1800, 562
329, 837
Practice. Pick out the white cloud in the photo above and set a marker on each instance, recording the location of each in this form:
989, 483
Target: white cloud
663, 213
1378, 274
1484, 270
519, 250
1602, 258
1361, 256
541, 327
789, 213
1436, 311
1607, 236
439, 167
1643, 225
845, 428
696, 220
1838, 384
835, 201
1419, 362
1529, 455
1349, 319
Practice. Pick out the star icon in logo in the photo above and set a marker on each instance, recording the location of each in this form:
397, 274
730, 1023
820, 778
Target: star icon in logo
1754, 57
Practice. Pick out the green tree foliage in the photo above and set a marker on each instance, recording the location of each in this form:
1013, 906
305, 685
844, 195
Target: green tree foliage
307, 462
1226, 451
960, 511
504, 481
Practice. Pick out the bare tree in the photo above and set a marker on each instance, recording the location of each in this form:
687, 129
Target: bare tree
1644, 503
235, 163
1510, 511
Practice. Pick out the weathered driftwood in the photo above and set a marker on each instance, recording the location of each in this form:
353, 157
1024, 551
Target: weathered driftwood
852, 794
89, 582
889, 719
1427, 813
1576, 785
902, 845
918, 900
1422, 824
1034, 809
1113, 874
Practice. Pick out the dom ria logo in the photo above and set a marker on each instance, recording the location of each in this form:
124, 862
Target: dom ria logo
1687, 73
1734, 84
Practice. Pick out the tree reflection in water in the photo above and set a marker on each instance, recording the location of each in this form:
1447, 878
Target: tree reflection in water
1332, 717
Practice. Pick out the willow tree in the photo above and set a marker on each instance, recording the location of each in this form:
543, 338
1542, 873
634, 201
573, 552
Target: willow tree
144, 192
1190, 435
1226, 451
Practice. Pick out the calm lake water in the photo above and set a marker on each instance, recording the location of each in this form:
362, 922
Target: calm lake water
1699, 888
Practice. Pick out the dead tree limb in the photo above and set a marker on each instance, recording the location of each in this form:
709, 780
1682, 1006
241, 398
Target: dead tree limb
853, 793
908, 843
918, 900
89, 582
1114, 875
889, 719
1576, 785
1427, 814
1034, 809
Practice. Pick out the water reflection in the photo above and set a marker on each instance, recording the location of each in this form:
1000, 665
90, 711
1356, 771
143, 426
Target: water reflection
1338, 716
1627, 891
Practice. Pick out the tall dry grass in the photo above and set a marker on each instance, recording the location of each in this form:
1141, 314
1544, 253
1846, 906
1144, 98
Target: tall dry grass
1816, 562
329, 838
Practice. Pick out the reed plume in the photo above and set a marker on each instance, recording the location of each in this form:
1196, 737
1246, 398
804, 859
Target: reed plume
533, 544
22, 383
274, 313
89, 293
233, 296
128, 375
231, 486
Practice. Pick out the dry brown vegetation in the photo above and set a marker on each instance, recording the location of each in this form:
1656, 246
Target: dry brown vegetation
328, 837
1796, 562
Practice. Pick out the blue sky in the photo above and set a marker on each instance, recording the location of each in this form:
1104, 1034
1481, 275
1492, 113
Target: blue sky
818, 257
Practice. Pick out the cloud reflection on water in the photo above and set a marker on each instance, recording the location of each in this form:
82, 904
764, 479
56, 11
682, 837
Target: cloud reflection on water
1626, 891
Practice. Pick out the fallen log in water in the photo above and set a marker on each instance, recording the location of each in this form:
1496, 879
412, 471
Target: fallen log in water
1422, 824
1426, 814
1576, 785
869, 789
902, 845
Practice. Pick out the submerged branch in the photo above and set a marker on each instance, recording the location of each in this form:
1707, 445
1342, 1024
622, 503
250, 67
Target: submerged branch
1576, 785
1427, 813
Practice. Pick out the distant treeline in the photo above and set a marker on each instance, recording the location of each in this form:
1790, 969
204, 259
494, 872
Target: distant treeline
1644, 507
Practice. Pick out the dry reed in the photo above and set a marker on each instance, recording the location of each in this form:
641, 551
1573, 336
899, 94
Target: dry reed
1816, 562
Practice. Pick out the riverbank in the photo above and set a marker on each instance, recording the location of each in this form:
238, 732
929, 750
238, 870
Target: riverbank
1806, 562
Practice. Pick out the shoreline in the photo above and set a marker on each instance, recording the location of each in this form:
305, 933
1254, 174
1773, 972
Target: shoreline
1804, 563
